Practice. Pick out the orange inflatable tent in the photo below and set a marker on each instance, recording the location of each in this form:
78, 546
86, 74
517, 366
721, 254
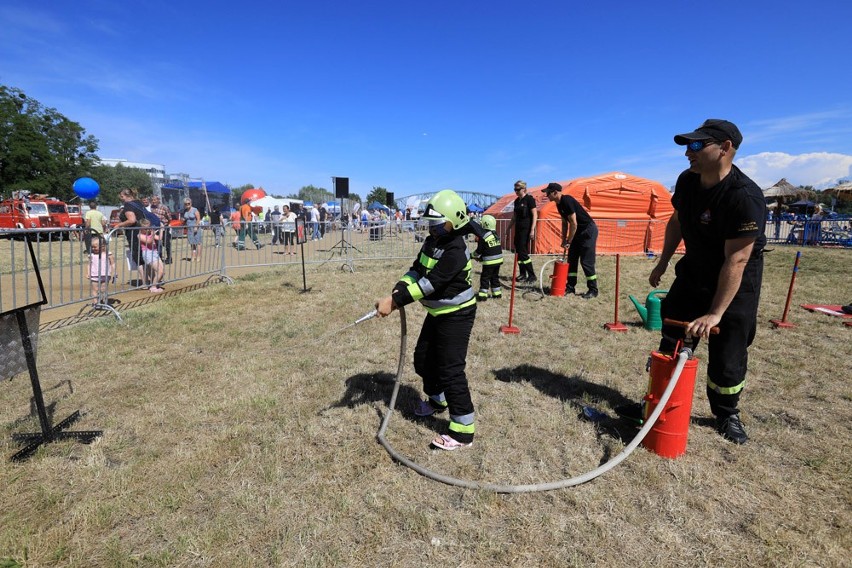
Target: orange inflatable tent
630, 212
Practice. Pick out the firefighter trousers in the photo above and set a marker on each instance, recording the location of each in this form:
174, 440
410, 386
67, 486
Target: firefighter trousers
489, 281
688, 299
522, 248
582, 252
440, 358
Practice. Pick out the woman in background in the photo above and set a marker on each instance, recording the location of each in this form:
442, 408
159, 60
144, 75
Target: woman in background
193, 229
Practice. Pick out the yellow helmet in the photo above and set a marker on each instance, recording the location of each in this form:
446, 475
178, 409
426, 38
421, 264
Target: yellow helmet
446, 205
488, 222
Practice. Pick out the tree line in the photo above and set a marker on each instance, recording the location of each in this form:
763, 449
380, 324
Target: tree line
43, 151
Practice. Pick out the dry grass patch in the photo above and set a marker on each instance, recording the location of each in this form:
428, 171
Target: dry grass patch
240, 430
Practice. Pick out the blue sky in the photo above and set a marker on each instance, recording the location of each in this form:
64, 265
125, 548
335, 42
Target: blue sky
421, 96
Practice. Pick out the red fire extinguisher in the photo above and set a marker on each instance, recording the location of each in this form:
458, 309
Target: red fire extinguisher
560, 276
669, 434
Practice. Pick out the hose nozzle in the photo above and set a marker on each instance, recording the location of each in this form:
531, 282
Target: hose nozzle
369, 315
365, 317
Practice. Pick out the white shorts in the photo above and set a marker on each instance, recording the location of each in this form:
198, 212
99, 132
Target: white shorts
150, 256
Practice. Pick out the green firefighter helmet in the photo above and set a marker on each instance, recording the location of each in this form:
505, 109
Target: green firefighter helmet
488, 222
446, 205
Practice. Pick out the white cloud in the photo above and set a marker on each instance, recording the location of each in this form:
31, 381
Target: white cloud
816, 125
819, 169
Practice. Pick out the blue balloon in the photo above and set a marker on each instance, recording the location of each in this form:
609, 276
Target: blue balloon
86, 188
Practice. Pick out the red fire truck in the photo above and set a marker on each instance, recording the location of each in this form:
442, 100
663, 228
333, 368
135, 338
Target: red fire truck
28, 211
75, 216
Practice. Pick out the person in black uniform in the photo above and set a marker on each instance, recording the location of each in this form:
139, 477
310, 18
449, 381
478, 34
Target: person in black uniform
580, 233
524, 221
490, 254
440, 280
720, 214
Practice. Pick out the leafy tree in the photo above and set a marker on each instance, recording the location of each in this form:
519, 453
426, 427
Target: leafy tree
40, 149
113, 179
314, 194
379, 194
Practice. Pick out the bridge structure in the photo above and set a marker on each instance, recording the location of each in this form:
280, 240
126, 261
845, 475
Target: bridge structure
419, 200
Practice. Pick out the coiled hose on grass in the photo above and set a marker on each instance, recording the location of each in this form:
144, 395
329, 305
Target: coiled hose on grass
528, 488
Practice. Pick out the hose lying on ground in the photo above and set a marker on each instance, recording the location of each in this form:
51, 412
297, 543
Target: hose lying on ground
528, 488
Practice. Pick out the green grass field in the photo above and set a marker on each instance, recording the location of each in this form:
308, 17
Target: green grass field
239, 430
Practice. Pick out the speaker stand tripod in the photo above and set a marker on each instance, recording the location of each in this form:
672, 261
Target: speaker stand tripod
341, 248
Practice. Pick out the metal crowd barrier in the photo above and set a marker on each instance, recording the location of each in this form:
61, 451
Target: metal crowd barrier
826, 232
62, 257
64, 263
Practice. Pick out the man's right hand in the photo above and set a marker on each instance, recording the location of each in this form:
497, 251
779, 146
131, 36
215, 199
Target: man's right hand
385, 306
657, 274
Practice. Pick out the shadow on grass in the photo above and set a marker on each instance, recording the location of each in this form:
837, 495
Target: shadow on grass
576, 392
50, 408
371, 388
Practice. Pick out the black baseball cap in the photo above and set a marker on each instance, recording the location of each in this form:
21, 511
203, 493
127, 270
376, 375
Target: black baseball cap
551, 187
712, 129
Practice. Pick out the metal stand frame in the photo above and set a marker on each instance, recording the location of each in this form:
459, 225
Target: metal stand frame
49, 433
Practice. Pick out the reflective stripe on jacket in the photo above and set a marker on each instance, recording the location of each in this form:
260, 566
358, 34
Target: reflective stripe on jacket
439, 278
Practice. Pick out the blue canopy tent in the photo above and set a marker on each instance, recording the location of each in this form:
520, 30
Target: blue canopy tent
376, 205
473, 207
217, 195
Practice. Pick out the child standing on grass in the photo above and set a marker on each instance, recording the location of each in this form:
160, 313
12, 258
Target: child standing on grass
490, 253
149, 241
101, 269
440, 280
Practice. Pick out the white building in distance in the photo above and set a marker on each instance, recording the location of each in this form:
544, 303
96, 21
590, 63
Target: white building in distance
157, 172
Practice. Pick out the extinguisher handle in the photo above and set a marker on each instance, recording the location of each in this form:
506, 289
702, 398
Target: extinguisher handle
713, 330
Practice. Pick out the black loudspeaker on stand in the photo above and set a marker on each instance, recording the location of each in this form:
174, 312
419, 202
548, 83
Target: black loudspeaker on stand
341, 187
341, 247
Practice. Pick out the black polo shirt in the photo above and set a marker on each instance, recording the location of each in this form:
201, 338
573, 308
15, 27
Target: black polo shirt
567, 206
731, 209
524, 207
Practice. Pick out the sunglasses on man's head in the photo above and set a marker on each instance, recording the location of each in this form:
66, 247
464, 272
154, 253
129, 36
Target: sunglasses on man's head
697, 145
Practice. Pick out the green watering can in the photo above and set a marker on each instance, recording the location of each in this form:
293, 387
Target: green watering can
650, 312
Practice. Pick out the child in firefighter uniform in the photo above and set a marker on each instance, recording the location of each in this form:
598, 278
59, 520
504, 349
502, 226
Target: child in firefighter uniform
490, 254
440, 280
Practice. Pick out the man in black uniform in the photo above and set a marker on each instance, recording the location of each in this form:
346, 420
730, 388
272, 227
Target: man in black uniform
580, 233
524, 221
720, 215
440, 280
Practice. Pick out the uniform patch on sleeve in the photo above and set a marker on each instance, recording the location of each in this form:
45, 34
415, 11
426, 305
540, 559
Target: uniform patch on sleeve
747, 227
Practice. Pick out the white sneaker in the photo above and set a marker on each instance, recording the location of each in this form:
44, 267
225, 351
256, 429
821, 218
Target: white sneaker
444, 442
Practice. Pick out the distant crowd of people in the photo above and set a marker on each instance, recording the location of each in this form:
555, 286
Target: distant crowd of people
149, 223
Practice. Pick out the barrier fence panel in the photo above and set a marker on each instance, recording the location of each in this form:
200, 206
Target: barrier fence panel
615, 236
66, 267
810, 233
